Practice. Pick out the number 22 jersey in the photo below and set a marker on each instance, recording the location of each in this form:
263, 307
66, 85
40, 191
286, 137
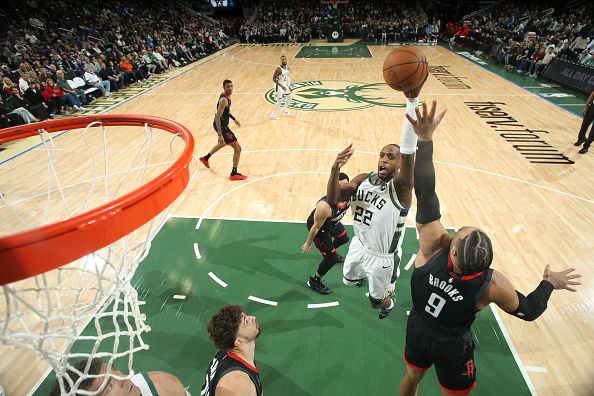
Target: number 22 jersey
378, 216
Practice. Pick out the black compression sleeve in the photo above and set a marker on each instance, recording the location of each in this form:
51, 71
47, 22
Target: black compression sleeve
231, 116
534, 305
427, 201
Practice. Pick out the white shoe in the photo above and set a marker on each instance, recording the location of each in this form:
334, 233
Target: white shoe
285, 111
81, 108
274, 116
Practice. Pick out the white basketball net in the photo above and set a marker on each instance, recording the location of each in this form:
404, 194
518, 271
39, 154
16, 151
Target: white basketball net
68, 175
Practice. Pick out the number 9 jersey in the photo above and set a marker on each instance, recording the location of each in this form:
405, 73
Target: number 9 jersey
443, 300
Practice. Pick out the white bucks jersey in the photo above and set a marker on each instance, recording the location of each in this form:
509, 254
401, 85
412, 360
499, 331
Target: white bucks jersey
378, 216
283, 78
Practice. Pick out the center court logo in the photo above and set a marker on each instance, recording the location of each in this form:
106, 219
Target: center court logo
330, 95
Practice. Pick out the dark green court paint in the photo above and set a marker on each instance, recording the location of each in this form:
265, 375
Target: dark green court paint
344, 350
355, 50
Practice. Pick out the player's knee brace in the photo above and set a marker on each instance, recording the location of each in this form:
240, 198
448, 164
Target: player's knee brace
350, 282
341, 240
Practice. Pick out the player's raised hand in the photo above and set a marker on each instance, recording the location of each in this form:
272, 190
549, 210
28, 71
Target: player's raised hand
426, 122
343, 157
562, 279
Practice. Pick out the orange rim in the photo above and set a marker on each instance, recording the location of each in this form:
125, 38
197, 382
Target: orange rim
33, 252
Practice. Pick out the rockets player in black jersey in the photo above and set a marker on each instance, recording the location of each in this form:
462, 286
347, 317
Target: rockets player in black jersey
328, 233
226, 135
233, 370
452, 281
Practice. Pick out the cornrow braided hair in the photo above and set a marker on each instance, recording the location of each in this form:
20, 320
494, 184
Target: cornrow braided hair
475, 252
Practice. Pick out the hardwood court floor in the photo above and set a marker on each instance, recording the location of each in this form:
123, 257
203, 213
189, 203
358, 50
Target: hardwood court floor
538, 209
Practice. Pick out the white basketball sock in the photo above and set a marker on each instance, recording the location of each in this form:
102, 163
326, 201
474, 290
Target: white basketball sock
287, 101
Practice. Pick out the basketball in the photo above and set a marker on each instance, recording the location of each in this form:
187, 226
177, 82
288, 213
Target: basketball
405, 68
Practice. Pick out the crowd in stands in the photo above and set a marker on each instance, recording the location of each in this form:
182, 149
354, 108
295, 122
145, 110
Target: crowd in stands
526, 39
70, 52
370, 20
57, 56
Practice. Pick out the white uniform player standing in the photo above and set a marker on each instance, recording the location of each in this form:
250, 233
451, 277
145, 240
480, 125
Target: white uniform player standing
282, 86
379, 203
378, 221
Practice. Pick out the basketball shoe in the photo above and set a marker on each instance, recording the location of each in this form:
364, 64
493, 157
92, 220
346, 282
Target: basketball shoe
317, 285
237, 176
384, 312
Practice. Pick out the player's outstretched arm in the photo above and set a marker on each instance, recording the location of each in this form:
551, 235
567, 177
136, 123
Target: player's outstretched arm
432, 234
336, 192
408, 146
322, 212
502, 293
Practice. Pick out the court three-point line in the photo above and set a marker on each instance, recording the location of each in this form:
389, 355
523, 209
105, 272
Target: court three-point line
410, 262
217, 279
196, 251
263, 301
324, 305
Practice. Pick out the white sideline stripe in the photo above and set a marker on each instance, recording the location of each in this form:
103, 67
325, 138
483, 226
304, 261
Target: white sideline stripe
410, 262
324, 305
196, 251
512, 348
242, 185
407, 313
217, 279
535, 369
262, 301
179, 297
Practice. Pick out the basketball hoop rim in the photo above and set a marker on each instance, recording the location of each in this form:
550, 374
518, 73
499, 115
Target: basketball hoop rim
35, 251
